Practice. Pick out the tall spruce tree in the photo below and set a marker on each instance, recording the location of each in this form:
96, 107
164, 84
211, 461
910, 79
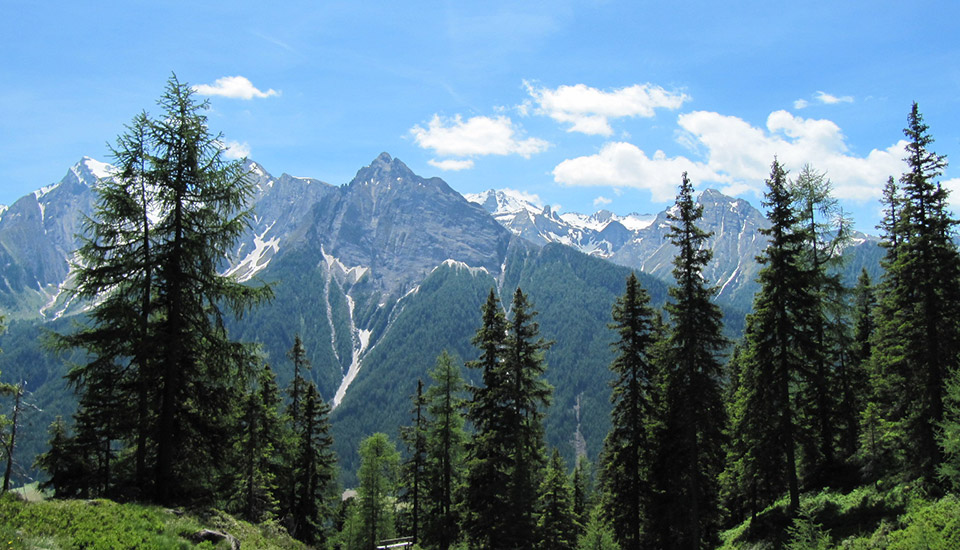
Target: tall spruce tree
779, 341
486, 504
556, 522
506, 454
445, 443
262, 433
695, 422
528, 395
314, 472
628, 454
918, 332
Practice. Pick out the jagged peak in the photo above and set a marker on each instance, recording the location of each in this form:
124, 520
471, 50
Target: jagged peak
384, 169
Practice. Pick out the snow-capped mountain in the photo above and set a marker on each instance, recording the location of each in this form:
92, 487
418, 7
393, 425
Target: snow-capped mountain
600, 234
381, 274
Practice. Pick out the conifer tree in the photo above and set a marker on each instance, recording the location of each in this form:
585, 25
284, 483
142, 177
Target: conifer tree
824, 228
556, 524
506, 453
778, 344
262, 435
918, 333
693, 435
527, 397
628, 450
486, 506
314, 471
598, 534
377, 476
160, 298
583, 501
412, 470
445, 445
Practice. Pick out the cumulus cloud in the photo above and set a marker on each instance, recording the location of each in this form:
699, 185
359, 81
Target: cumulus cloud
589, 110
601, 201
736, 156
235, 150
236, 87
742, 153
451, 165
620, 164
824, 99
476, 136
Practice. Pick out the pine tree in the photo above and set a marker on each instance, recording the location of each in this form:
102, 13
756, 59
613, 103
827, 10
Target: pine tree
628, 450
556, 524
693, 435
853, 381
377, 476
445, 445
779, 341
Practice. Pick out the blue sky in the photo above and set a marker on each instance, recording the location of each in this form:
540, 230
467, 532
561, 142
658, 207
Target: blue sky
583, 104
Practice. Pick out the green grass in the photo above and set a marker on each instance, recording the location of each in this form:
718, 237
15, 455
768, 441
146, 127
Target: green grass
103, 524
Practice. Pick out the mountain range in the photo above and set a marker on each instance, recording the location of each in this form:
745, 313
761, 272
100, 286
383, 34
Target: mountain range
380, 275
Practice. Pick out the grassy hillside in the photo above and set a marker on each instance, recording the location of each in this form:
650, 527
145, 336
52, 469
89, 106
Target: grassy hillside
103, 524
898, 518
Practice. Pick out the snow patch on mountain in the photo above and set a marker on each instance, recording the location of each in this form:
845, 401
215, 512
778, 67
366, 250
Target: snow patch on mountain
461, 266
348, 274
258, 258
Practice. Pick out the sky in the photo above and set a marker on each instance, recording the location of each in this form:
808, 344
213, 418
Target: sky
582, 105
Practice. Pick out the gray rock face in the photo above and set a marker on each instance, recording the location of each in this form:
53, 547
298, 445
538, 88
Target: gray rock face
401, 226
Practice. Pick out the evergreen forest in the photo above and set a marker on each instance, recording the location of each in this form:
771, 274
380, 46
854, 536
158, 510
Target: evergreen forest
833, 421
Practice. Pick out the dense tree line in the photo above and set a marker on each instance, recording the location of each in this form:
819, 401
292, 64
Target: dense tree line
829, 386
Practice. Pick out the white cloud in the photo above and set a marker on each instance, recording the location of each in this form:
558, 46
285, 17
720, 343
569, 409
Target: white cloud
743, 153
620, 164
824, 99
589, 110
601, 201
237, 87
736, 156
477, 136
236, 150
451, 165
828, 99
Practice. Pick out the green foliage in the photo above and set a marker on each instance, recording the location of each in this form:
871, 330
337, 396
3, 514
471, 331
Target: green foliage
556, 524
598, 534
629, 451
379, 462
445, 450
806, 535
916, 344
691, 444
75, 524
